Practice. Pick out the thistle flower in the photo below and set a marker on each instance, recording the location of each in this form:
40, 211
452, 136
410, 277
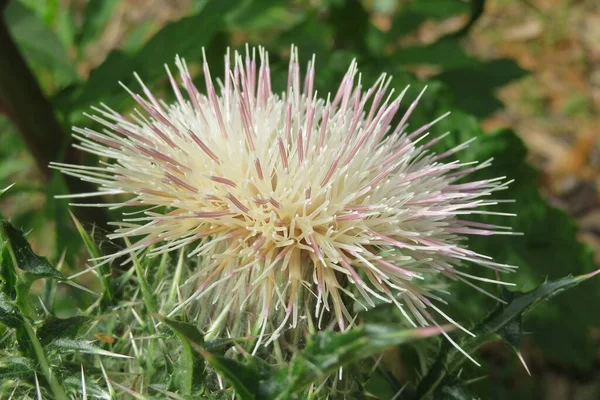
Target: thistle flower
295, 204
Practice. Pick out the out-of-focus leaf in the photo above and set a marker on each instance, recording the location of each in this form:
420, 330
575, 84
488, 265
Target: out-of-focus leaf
310, 36
254, 16
56, 328
448, 364
473, 86
446, 53
33, 266
183, 37
350, 23
244, 379
38, 43
439, 9
191, 372
2, 191
69, 346
96, 15
455, 391
9, 314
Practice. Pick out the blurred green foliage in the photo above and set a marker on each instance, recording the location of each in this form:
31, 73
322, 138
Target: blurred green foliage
54, 41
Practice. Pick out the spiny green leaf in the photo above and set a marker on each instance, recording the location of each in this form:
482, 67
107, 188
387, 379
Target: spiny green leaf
12, 367
34, 266
328, 351
9, 314
449, 361
68, 346
56, 328
73, 384
191, 372
245, 380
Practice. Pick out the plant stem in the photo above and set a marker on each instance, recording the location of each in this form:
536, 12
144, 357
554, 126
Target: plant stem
22, 100
57, 390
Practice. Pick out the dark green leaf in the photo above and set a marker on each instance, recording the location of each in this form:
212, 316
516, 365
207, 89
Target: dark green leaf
328, 351
244, 379
548, 247
439, 9
9, 314
34, 266
474, 86
448, 364
445, 53
350, 23
12, 367
191, 364
56, 328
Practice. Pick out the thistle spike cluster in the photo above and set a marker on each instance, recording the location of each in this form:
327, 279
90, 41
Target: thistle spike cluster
294, 204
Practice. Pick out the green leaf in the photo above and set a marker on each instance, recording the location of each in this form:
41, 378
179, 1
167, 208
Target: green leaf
449, 362
9, 314
96, 16
34, 266
12, 367
446, 53
439, 9
328, 351
74, 387
38, 43
184, 37
244, 379
69, 346
256, 16
350, 23
548, 248
474, 86
55, 328
191, 365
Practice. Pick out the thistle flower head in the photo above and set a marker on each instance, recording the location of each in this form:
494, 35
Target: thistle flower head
296, 204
